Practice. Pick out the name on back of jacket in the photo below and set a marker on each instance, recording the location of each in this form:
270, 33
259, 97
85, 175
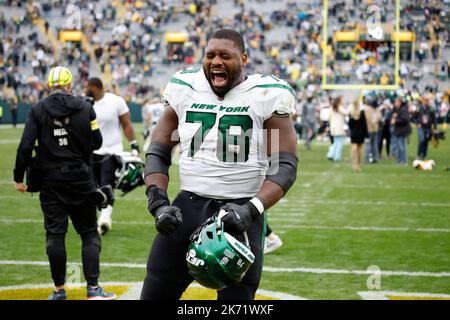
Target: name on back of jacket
59, 132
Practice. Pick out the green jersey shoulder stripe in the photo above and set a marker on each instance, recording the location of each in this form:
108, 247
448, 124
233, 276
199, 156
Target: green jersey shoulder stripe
181, 82
274, 85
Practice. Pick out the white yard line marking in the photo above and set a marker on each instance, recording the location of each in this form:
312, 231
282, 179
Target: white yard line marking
382, 186
285, 217
365, 228
10, 126
360, 272
399, 175
443, 274
392, 203
271, 219
384, 295
9, 141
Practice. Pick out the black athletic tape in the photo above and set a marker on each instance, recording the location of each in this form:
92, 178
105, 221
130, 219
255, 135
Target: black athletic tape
158, 159
157, 197
283, 170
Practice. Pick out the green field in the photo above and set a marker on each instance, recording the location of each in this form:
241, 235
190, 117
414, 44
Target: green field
334, 224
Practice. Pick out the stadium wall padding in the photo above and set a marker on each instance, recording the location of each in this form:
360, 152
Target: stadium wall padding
135, 111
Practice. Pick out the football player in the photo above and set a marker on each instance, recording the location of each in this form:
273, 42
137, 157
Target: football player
151, 112
112, 115
230, 126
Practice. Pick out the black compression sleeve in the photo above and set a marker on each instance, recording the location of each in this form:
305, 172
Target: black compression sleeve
283, 170
159, 159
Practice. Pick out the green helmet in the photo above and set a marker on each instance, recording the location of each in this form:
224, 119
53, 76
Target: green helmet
215, 258
130, 173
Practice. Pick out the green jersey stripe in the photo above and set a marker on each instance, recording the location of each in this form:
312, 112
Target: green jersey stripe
181, 82
274, 85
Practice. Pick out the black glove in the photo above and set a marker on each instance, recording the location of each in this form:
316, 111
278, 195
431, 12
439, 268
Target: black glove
103, 196
239, 217
167, 217
134, 146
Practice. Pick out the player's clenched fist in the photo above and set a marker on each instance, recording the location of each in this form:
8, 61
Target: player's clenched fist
168, 218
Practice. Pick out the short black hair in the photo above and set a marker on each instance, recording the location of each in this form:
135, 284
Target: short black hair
96, 82
232, 35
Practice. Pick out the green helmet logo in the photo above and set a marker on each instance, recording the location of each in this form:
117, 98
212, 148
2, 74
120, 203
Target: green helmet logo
215, 258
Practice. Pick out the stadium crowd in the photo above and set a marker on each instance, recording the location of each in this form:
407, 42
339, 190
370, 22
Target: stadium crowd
378, 120
126, 39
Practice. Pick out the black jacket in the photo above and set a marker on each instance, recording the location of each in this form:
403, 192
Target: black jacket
402, 127
426, 117
66, 130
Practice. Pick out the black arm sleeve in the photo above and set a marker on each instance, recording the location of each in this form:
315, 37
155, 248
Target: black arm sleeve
97, 138
159, 159
26, 146
283, 169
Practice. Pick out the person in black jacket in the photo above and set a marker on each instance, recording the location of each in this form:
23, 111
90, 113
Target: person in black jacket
402, 129
66, 129
426, 124
384, 133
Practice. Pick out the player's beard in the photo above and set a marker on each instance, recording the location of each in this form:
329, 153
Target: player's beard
233, 80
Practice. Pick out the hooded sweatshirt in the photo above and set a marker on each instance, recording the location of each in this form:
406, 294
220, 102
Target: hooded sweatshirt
66, 130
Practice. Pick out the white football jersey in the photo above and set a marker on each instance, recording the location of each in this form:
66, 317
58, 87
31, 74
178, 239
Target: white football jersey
223, 152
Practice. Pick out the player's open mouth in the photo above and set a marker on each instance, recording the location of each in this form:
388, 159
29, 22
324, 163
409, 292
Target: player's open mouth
219, 78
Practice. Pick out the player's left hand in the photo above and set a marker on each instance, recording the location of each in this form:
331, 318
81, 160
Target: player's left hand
21, 187
238, 217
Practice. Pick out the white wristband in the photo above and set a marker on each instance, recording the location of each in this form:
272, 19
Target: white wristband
258, 204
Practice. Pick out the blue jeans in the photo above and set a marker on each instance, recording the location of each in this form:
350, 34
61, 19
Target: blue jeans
402, 150
424, 138
393, 143
372, 147
335, 150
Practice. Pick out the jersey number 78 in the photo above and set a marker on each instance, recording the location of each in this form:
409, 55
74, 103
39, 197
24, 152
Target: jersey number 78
234, 135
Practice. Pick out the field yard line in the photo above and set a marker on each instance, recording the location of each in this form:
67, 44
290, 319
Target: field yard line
299, 226
279, 217
9, 141
380, 186
372, 203
360, 272
266, 269
10, 126
365, 228
383, 295
425, 175
13, 220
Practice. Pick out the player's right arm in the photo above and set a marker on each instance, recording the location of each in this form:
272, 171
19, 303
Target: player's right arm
163, 141
159, 154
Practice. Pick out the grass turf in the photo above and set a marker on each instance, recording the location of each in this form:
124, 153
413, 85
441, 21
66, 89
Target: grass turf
322, 222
